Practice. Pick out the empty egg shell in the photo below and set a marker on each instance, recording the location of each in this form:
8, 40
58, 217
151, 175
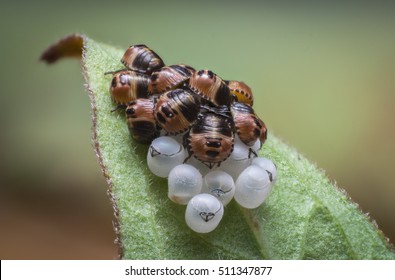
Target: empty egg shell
203, 213
219, 184
255, 148
268, 165
184, 182
252, 187
163, 155
237, 161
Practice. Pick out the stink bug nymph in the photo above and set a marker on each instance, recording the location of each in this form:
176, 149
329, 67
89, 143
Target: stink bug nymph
248, 125
169, 77
210, 87
211, 138
241, 92
127, 86
142, 59
141, 121
176, 110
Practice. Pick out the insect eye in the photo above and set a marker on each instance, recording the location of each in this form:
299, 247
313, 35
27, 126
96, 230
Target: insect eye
154, 77
114, 82
130, 111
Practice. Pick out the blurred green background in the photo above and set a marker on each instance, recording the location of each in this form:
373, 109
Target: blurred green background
323, 75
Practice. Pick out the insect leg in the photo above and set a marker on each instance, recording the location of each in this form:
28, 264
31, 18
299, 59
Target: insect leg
114, 72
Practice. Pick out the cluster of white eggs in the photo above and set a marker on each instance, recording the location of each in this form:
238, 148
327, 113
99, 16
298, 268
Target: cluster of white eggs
244, 177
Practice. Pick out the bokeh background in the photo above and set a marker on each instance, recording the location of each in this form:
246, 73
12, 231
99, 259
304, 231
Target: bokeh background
323, 75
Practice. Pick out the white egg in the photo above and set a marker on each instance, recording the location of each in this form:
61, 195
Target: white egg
237, 138
163, 155
179, 137
252, 187
255, 148
203, 168
268, 165
219, 184
237, 161
203, 213
184, 182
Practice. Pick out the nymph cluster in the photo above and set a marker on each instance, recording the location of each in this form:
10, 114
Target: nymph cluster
203, 133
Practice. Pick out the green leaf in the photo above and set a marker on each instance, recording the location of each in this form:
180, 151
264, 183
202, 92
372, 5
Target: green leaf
305, 216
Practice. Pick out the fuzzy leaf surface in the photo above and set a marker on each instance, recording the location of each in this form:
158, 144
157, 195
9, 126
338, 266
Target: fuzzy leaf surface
305, 216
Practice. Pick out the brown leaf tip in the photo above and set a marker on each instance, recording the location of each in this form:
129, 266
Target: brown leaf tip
69, 46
